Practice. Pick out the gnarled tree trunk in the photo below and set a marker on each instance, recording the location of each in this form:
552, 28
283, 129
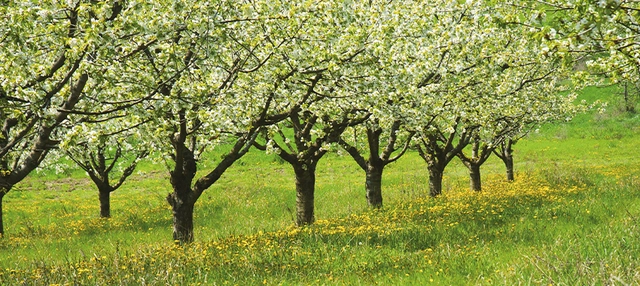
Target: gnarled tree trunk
305, 189
475, 181
105, 203
480, 152
508, 163
182, 208
373, 184
435, 180
505, 153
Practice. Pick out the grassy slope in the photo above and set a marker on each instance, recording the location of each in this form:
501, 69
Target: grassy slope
570, 218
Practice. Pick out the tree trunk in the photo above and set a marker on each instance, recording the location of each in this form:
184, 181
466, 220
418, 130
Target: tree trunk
508, 163
182, 217
373, 185
474, 177
435, 180
505, 154
105, 203
305, 188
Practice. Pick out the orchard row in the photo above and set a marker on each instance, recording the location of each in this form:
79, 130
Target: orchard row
108, 83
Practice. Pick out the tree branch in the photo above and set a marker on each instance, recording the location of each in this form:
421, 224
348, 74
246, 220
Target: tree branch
404, 149
353, 151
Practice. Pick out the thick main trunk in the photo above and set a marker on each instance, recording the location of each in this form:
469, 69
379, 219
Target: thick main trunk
182, 207
105, 203
508, 163
305, 188
475, 183
373, 185
506, 155
435, 180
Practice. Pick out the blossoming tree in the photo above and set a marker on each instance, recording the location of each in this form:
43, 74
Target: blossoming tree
108, 158
501, 76
325, 90
52, 56
213, 77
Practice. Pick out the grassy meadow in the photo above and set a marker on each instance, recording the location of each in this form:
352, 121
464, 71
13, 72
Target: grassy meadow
572, 217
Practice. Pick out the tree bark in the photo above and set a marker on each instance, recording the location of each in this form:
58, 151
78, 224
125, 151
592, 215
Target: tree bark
182, 217
505, 153
475, 180
508, 163
435, 180
305, 189
105, 203
373, 184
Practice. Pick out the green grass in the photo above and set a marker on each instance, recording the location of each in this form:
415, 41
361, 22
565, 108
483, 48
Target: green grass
571, 218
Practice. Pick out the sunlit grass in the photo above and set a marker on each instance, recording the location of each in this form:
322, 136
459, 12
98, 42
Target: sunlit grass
542, 228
